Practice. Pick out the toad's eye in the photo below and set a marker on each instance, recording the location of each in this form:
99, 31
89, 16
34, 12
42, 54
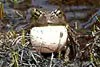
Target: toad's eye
36, 13
57, 12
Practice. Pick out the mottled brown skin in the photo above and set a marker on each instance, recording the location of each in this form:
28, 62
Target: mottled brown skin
49, 18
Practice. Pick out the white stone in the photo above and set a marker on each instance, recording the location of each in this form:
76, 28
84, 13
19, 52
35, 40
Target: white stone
48, 39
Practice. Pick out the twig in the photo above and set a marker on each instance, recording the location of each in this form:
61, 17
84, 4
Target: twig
51, 59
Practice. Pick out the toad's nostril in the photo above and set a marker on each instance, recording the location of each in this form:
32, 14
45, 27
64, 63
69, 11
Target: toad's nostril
48, 21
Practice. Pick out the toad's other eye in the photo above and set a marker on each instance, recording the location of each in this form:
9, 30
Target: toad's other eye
57, 12
36, 13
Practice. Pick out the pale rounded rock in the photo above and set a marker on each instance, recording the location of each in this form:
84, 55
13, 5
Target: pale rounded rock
48, 39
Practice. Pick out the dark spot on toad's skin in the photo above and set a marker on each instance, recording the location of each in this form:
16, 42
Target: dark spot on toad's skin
61, 34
